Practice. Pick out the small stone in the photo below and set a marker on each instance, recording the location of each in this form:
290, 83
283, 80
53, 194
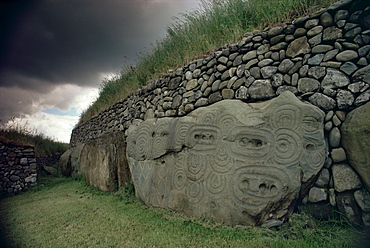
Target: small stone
276, 39
330, 54
348, 68
332, 33
242, 93
323, 179
345, 99
329, 115
315, 60
340, 15
14, 178
277, 79
334, 137
201, 102
345, 178
263, 49
215, 97
334, 79
265, 62
317, 72
23, 161
317, 194
189, 107
308, 85
328, 126
228, 93
347, 55
326, 19
268, 71
314, 31
285, 65
338, 155
300, 32
191, 84
322, 101
272, 223
261, 89
348, 208
316, 40
297, 47
221, 68
303, 70
322, 49
336, 121
250, 55
311, 23
341, 115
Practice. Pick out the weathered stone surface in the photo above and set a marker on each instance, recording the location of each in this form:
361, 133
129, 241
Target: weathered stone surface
216, 163
70, 161
334, 137
297, 47
308, 85
261, 89
322, 101
345, 178
104, 158
317, 194
334, 78
355, 138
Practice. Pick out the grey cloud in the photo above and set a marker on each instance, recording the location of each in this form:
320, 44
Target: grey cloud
53, 42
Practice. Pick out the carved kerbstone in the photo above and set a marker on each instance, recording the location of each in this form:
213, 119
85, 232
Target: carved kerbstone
235, 162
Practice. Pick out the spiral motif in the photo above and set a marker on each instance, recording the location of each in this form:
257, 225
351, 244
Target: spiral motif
209, 118
216, 183
179, 179
194, 192
144, 141
286, 116
288, 147
196, 166
181, 131
226, 122
131, 144
221, 161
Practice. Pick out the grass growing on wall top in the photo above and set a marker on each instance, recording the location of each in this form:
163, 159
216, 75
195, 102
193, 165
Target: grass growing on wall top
190, 36
22, 134
62, 212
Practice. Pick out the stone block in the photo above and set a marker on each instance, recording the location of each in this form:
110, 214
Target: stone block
235, 162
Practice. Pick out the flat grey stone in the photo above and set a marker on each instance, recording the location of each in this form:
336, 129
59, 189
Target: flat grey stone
345, 178
348, 68
308, 85
335, 137
345, 99
261, 89
317, 194
334, 79
298, 47
322, 101
346, 55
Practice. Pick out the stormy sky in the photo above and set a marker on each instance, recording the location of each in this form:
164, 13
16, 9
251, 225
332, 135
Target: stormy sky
55, 53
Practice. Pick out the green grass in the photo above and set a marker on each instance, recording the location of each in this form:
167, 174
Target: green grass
21, 134
64, 212
196, 34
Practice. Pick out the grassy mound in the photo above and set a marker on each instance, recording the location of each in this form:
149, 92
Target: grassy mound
196, 34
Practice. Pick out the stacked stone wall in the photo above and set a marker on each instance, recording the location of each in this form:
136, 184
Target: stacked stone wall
322, 58
18, 167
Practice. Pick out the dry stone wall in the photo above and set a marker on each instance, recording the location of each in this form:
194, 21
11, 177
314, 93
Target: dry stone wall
323, 59
18, 167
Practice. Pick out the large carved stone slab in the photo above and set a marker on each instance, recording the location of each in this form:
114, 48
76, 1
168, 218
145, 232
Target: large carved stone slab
235, 162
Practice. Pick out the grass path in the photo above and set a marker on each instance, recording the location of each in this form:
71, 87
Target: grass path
66, 213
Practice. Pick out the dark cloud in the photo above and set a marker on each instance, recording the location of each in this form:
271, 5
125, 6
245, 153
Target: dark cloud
53, 42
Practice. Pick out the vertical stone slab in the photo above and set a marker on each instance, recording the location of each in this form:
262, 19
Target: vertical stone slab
235, 162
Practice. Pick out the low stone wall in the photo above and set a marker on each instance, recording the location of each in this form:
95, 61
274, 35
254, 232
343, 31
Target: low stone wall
17, 167
322, 58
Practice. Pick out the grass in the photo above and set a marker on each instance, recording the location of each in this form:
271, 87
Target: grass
195, 34
63, 212
21, 134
